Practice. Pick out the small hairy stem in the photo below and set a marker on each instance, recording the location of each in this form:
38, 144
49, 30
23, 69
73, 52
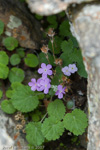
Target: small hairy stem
53, 48
43, 117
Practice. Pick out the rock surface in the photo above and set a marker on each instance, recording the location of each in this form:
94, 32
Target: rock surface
49, 7
20, 24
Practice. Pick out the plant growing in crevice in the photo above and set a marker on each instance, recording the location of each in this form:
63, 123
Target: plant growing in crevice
58, 61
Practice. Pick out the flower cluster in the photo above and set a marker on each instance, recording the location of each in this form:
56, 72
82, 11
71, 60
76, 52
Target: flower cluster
43, 83
70, 69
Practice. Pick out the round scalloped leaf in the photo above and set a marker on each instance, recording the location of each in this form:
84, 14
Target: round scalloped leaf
10, 43
7, 107
15, 85
4, 70
76, 122
16, 75
1, 94
31, 60
4, 59
1, 27
20, 52
24, 99
52, 129
15, 59
56, 109
33, 133
9, 93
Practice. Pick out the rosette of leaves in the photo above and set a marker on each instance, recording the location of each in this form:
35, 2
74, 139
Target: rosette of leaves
75, 122
7, 106
15, 59
24, 100
16, 75
10, 43
4, 70
31, 60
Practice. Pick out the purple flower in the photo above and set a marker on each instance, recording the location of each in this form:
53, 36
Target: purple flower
60, 91
45, 85
39, 87
66, 71
45, 70
72, 68
33, 84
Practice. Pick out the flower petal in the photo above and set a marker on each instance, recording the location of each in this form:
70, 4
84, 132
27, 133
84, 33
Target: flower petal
40, 70
46, 90
59, 87
31, 84
33, 88
49, 66
60, 95
49, 72
43, 65
33, 80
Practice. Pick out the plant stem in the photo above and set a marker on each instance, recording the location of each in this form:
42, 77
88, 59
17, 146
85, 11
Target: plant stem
43, 117
53, 48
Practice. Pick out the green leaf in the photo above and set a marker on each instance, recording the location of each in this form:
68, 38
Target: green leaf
20, 52
15, 85
1, 94
31, 60
24, 99
16, 75
43, 59
67, 46
56, 109
52, 21
10, 43
9, 93
4, 59
55, 80
15, 59
74, 57
7, 107
33, 133
52, 129
58, 76
35, 117
1, 27
38, 17
76, 122
64, 29
51, 92
62, 14
56, 45
4, 70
